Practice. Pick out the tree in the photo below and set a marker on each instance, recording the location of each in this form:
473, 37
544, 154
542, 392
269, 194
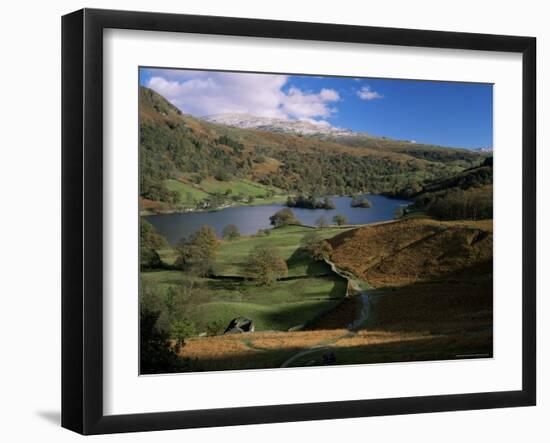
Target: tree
321, 222
215, 200
149, 237
197, 253
149, 242
231, 232
360, 202
284, 217
215, 327
309, 202
156, 353
265, 265
315, 246
180, 330
339, 219
149, 259
310, 239
399, 212
322, 251
222, 175
328, 203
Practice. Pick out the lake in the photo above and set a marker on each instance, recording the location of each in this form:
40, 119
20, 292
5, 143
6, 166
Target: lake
251, 218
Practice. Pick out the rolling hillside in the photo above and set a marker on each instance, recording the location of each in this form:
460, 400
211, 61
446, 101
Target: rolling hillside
412, 250
432, 276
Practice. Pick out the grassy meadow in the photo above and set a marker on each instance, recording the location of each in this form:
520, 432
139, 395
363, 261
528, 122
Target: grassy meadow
211, 193
308, 291
188, 193
279, 307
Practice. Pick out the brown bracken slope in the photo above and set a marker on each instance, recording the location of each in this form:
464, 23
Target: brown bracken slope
415, 250
434, 276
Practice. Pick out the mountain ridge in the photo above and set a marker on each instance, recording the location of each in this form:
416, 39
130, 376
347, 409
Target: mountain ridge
271, 124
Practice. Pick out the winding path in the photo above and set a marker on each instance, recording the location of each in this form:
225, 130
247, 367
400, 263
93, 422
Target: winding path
354, 285
302, 353
363, 313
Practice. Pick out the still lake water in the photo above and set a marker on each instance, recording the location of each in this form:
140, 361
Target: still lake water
251, 218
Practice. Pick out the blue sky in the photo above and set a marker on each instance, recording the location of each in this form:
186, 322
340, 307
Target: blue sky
443, 113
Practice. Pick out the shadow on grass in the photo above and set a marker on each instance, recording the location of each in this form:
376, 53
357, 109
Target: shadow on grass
301, 258
468, 346
458, 303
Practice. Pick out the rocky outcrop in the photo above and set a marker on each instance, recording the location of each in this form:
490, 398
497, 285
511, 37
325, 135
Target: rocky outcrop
239, 325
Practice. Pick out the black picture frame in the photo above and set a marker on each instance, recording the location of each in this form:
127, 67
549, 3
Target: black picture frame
82, 218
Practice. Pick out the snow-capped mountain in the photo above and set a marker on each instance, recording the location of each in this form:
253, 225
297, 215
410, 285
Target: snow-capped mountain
303, 127
485, 149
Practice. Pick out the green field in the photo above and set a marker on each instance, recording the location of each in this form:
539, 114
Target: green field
264, 201
244, 191
237, 187
188, 193
310, 291
232, 254
281, 306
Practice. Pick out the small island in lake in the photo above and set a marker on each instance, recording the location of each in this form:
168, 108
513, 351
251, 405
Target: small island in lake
310, 202
360, 202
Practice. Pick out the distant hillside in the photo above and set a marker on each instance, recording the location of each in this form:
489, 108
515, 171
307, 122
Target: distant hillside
178, 152
463, 158
467, 195
347, 137
470, 178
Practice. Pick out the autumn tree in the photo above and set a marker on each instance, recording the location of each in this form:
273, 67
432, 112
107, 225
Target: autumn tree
197, 253
265, 265
231, 232
339, 219
315, 246
360, 202
321, 222
149, 242
284, 217
328, 203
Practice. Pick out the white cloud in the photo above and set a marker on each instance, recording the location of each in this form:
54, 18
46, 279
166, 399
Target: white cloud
203, 93
299, 104
329, 95
366, 93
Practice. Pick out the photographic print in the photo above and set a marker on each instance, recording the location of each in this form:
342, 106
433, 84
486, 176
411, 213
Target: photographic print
303, 220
